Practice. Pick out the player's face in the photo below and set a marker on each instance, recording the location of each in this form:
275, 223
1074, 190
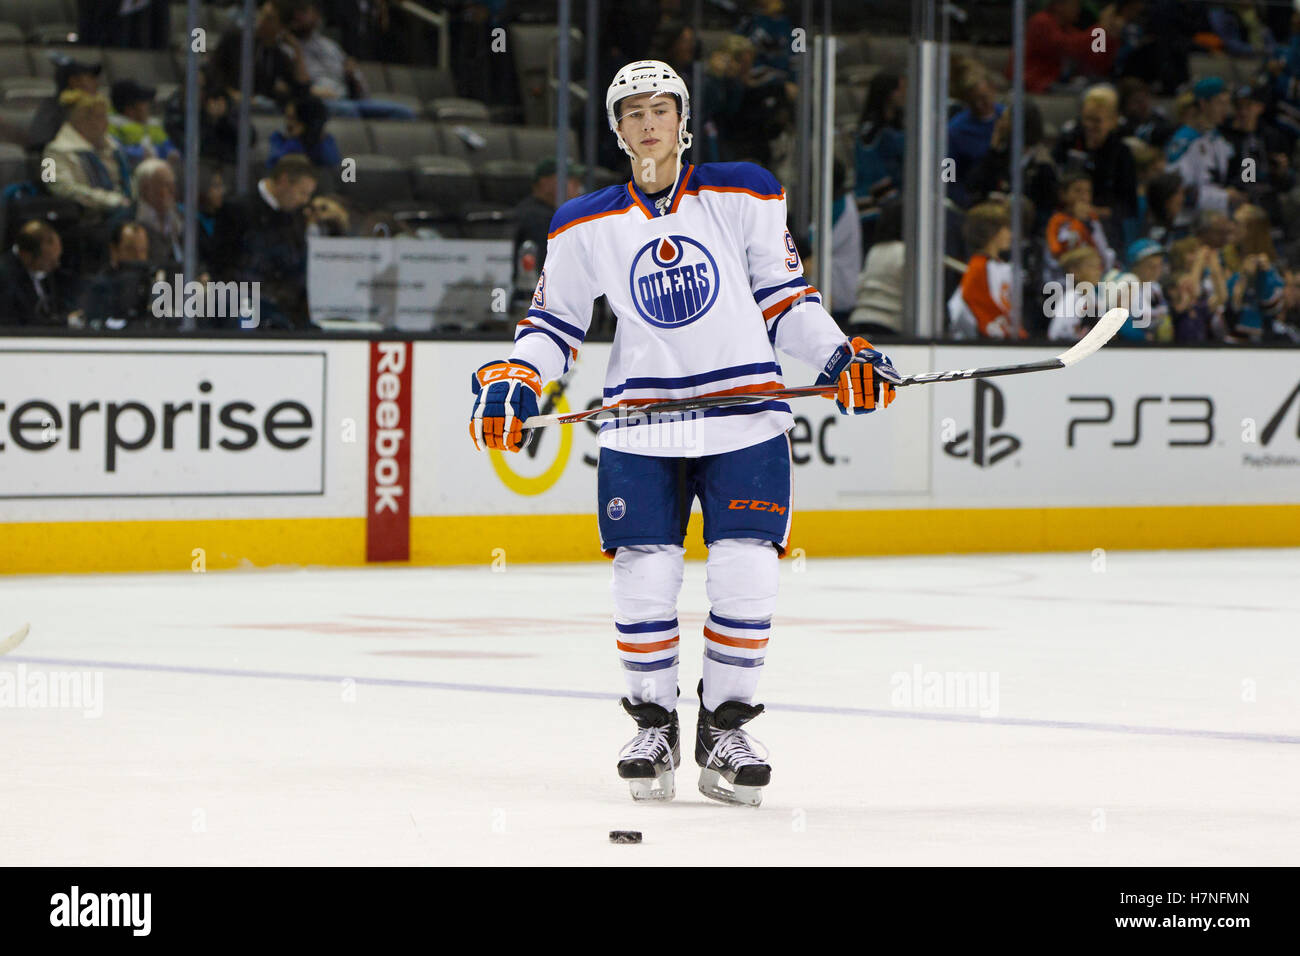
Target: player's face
649, 126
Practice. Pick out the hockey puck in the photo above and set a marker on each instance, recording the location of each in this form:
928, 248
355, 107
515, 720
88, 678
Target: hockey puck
624, 836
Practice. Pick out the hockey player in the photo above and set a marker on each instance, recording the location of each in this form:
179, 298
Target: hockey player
707, 286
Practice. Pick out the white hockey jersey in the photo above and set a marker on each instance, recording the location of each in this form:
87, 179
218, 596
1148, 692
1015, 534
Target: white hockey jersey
705, 294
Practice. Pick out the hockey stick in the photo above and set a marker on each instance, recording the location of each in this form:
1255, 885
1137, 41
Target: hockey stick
1100, 334
14, 639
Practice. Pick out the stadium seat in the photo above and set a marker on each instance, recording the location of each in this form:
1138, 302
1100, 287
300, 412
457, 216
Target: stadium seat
13, 164
1056, 110
403, 139
446, 108
380, 180
476, 142
53, 33
15, 121
14, 62
889, 52
43, 65
149, 67
531, 143
352, 135
25, 90
11, 33
30, 14
375, 76
420, 82
506, 181
487, 221
447, 181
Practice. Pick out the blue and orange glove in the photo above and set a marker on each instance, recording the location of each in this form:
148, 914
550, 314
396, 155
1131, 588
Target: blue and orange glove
505, 395
864, 376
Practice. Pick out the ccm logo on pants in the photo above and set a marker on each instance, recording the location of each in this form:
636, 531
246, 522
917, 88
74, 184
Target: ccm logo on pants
740, 504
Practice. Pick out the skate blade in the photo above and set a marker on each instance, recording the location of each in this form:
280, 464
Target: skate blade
659, 788
715, 787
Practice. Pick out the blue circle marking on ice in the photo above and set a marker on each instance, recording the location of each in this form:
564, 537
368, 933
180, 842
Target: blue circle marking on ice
616, 508
674, 281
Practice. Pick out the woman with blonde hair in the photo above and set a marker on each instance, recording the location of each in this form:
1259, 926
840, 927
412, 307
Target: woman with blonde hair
1256, 286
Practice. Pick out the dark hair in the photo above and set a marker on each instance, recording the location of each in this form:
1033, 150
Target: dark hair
889, 227
119, 229
879, 90
666, 35
32, 235
312, 113
618, 105
1069, 179
1159, 192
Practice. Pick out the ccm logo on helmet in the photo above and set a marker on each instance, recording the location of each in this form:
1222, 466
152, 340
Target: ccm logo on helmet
742, 504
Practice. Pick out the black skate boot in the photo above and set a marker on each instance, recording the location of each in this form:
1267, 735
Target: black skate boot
730, 770
649, 760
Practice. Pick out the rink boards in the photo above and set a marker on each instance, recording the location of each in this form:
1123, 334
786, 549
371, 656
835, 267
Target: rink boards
162, 454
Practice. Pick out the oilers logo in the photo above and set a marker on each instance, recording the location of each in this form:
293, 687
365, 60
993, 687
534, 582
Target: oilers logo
674, 281
616, 508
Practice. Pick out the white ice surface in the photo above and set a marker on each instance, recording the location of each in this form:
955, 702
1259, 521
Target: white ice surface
1146, 714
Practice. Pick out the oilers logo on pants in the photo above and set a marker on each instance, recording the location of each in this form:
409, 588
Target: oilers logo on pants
674, 281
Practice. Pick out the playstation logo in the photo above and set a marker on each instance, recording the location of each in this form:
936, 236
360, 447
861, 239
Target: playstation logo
979, 443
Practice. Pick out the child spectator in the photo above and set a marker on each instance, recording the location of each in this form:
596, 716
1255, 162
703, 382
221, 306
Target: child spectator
1074, 224
1075, 308
1139, 291
1203, 261
981, 305
304, 132
1164, 221
132, 125
1255, 288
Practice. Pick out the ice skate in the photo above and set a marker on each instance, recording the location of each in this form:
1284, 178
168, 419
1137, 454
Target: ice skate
649, 760
730, 770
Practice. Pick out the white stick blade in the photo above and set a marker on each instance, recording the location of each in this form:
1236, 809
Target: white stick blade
14, 639
1101, 333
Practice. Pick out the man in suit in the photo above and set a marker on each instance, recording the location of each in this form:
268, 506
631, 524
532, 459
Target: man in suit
30, 292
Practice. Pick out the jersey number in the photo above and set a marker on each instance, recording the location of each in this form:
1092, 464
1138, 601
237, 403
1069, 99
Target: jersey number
792, 261
539, 296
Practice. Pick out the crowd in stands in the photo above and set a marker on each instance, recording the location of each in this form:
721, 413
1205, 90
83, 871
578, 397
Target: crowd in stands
1171, 191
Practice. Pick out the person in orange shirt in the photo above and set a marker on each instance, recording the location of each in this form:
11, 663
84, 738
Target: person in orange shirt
981, 306
1074, 224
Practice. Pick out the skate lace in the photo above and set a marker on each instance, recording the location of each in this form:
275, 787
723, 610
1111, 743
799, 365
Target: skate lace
734, 746
646, 744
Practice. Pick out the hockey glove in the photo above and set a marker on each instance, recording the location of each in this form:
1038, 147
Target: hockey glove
505, 395
864, 377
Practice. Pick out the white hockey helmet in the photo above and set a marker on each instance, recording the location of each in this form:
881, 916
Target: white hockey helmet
648, 76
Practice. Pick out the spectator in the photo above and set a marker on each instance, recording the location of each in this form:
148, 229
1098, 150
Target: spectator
1149, 163
1164, 221
279, 65
304, 132
1240, 30
981, 305
90, 167
764, 112
675, 43
1074, 224
157, 212
143, 24
1095, 145
326, 216
261, 237
218, 121
212, 193
31, 292
1074, 308
1190, 308
1139, 291
770, 30
132, 125
991, 178
1205, 262
335, 77
1259, 151
970, 132
1138, 117
69, 74
879, 307
1055, 48
1288, 326
121, 295
878, 150
1255, 288
532, 215
1200, 154
723, 95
